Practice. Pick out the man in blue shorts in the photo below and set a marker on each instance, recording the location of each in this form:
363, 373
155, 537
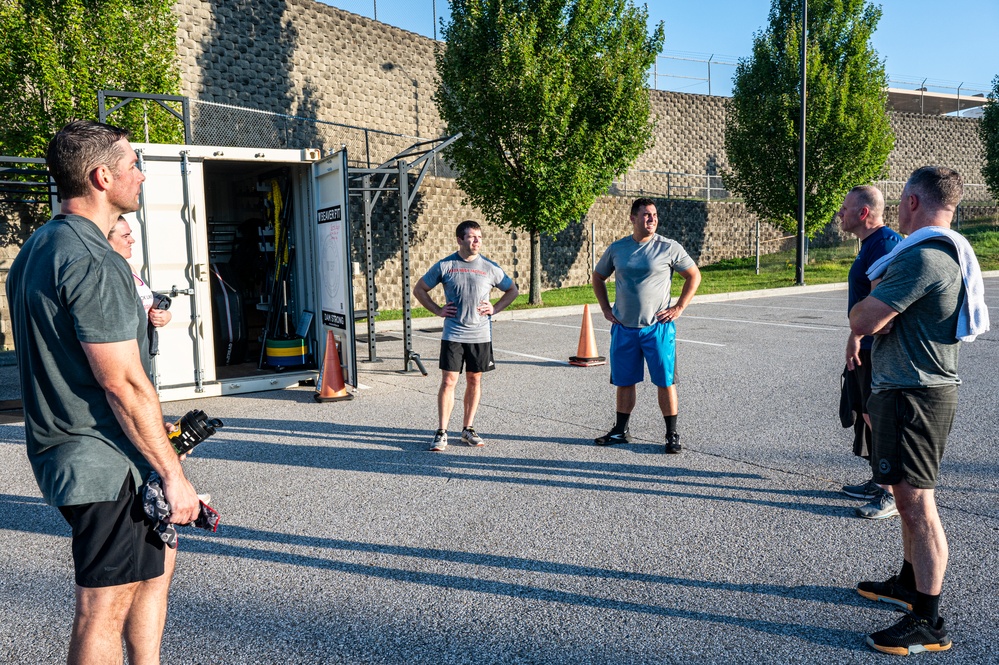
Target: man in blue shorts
468, 278
862, 214
93, 424
643, 330
929, 298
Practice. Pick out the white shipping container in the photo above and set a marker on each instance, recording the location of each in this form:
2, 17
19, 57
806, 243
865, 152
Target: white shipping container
203, 223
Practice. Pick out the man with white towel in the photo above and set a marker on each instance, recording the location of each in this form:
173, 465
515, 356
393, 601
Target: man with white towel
927, 298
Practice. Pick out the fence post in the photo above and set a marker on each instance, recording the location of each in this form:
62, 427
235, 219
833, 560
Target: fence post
593, 246
757, 245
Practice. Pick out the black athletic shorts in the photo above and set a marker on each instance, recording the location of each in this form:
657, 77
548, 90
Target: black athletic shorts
910, 432
113, 543
475, 357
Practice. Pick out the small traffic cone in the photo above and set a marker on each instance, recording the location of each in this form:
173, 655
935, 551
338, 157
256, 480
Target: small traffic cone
333, 388
586, 352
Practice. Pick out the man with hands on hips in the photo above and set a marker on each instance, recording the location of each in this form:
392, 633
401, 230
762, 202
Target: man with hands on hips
643, 330
466, 343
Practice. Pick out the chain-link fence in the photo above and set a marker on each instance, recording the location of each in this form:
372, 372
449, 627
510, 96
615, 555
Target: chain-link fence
670, 185
227, 125
213, 123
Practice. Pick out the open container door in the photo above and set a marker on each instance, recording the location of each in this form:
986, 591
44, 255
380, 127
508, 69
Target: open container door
174, 261
334, 276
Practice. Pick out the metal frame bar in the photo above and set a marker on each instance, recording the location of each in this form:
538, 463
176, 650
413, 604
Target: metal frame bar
128, 97
398, 167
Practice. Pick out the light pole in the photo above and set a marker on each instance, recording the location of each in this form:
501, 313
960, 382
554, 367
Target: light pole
801, 151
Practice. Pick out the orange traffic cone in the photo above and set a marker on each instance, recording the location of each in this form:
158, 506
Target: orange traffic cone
333, 388
586, 352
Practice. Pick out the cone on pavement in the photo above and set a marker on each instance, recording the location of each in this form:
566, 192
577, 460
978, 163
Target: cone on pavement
586, 352
332, 386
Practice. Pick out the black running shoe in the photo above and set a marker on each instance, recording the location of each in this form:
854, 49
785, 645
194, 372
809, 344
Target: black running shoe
911, 635
673, 444
889, 591
613, 437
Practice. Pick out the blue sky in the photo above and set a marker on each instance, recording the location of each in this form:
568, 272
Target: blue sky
946, 42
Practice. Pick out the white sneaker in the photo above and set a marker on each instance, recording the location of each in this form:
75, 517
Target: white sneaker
469, 436
440, 441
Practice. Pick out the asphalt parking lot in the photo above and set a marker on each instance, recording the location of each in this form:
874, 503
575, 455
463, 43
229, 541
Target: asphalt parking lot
344, 541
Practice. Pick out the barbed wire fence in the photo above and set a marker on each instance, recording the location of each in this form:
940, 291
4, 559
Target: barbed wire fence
712, 74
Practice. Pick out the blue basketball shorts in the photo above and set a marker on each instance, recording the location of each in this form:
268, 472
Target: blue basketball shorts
633, 348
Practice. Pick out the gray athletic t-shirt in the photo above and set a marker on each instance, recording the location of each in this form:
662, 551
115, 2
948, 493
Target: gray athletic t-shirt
66, 286
644, 275
466, 284
924, 285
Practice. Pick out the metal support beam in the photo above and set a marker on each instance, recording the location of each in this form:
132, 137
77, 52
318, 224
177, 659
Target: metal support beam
398, 169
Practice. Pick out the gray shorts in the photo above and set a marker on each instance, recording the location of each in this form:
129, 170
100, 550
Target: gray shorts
910, 432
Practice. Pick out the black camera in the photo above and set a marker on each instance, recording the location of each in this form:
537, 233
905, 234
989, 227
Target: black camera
161, 301
193, 428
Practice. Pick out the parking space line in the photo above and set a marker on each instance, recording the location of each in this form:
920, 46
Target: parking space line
607, 330
513, 353
765, 323
796, 309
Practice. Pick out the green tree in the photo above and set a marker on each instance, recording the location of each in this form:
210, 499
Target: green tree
848, 135
988, 130
56, 55
551, 101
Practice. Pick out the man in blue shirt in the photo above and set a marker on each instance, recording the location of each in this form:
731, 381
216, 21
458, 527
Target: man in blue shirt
862, 214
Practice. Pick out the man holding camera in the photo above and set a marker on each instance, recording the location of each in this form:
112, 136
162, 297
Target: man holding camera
93, 424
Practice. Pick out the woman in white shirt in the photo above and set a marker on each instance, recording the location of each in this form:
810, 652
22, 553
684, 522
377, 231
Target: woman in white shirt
121, 241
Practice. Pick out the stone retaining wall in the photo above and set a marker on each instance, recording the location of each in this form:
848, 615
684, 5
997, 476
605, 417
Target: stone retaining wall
301, 57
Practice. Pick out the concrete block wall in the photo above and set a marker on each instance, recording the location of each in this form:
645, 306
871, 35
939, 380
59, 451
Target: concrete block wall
301, 57
921, 140
710, 232
305, 58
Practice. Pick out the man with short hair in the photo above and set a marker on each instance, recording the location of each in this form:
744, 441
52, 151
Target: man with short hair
93, 424
930, 298
862, 214
468, 278
643, 317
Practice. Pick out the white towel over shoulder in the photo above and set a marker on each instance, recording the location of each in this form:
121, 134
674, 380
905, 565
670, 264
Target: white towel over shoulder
973, 320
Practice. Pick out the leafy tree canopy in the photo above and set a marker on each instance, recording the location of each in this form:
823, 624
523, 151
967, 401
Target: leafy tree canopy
551, 101
988, 130
848, 135
56, 54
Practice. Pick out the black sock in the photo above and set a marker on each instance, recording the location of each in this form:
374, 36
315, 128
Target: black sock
622, 422
907, 577
670, 424
927, 607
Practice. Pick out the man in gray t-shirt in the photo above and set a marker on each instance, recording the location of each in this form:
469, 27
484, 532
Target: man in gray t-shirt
643, 318
913, 312
468, 279
93, 424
